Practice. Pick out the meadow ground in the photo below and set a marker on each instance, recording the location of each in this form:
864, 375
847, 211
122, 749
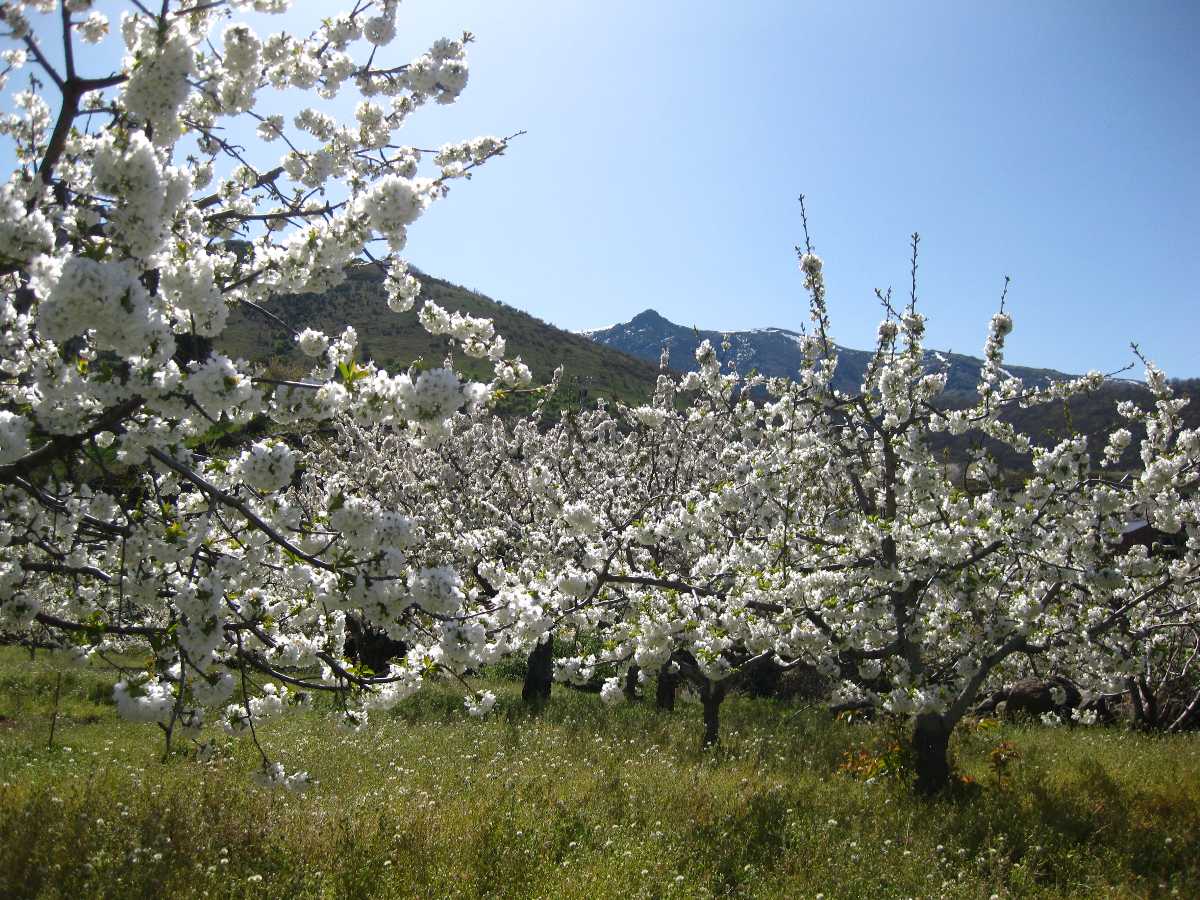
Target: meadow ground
579, 802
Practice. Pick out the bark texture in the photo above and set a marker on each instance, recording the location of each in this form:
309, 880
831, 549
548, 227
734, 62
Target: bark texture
712, 694
931, 746
539, 675
664, 692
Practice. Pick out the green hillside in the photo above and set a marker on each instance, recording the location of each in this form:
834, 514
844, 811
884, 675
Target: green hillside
396, 340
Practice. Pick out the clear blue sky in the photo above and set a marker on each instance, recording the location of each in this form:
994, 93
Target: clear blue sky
1056, 142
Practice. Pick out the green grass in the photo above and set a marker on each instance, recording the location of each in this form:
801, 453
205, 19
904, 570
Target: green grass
580, 802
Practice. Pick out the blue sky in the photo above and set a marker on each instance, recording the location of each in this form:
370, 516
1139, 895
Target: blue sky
1056, 142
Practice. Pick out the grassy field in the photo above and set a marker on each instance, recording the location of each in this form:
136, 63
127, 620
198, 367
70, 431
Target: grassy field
580, 801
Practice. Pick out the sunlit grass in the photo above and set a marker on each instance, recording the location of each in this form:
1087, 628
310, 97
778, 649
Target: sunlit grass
582, 801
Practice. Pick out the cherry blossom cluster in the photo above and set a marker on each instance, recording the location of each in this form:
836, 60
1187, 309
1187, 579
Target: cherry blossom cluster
251, 530
732, 521
133, 222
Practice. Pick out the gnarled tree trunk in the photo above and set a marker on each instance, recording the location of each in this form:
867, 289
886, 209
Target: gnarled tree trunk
370, 647
539, 675
631, 683
664, 692
762, 679
712, 693
931, 745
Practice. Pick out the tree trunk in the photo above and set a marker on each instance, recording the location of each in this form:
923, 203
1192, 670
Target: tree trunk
539, 675
1188, 711
711, 695
1149, 702
631, 683
763, 678
1135, 698
931, 745
664, 693
371, 647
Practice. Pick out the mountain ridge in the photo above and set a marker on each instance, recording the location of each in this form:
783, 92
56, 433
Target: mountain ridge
595, 370
775, 352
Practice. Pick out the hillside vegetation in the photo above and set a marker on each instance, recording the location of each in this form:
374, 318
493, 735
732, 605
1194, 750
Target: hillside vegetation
396, 340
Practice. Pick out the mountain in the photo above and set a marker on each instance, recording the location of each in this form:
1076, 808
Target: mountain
396, 340
775, 352
621, 362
